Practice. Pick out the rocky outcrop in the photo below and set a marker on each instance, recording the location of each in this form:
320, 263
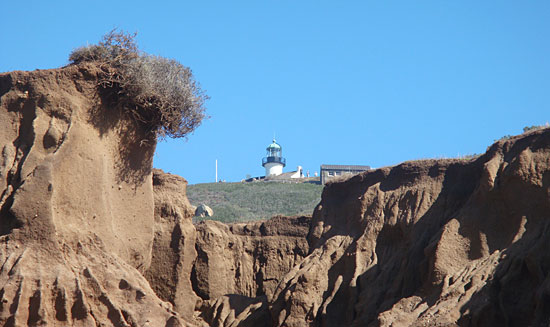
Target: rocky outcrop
430, 243
247, 258
76, 198
203, 210
174, 251
239, 265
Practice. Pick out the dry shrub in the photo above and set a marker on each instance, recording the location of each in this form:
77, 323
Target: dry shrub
160, 92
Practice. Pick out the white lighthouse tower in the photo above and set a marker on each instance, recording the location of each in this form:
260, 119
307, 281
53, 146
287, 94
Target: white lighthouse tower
274, 161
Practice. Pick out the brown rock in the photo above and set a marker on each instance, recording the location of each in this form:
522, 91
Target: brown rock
429, 243
76, 199
174, 243
247, 258
236, 310
239, 265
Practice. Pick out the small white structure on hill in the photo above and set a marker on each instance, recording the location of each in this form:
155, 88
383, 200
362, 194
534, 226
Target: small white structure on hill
274, 161
299, 173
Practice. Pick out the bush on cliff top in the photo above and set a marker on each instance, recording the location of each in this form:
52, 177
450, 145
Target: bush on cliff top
160, 92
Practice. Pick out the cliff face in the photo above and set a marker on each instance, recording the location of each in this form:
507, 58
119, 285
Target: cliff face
430, 243
174, 251
238, 267
247, 258
76, 201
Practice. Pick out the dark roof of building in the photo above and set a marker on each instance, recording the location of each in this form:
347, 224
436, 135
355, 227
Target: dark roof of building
345, 167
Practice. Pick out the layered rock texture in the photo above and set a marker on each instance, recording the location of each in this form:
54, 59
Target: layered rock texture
90, 235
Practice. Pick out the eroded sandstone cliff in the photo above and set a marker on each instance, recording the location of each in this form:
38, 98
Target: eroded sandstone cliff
173, 251
76, 205
238, 267
430, 243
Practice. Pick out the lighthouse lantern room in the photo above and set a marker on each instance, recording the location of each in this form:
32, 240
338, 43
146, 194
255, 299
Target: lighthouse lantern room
274, 161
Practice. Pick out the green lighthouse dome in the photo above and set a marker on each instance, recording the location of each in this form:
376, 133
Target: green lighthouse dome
274, 146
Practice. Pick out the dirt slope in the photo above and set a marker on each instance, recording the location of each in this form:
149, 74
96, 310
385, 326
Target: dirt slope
76, 206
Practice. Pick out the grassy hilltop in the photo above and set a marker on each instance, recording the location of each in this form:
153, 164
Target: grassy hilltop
234, 202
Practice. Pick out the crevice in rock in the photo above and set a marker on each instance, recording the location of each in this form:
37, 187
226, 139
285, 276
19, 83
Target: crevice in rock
23, 144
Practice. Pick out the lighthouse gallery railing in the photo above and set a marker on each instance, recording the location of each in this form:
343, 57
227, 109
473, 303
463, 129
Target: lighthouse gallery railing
274, 159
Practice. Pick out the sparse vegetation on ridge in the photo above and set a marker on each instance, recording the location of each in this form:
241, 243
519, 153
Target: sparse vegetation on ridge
525, 130
160, 92
534, 128
234, 202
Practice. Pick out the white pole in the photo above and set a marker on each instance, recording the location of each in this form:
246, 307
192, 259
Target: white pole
216, 171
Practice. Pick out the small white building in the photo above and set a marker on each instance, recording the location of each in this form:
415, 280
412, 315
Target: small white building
274, 161
299, 173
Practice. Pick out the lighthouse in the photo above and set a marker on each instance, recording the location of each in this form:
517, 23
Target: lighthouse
274, 161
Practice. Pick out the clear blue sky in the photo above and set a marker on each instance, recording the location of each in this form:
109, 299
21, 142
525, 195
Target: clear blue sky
338, 82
